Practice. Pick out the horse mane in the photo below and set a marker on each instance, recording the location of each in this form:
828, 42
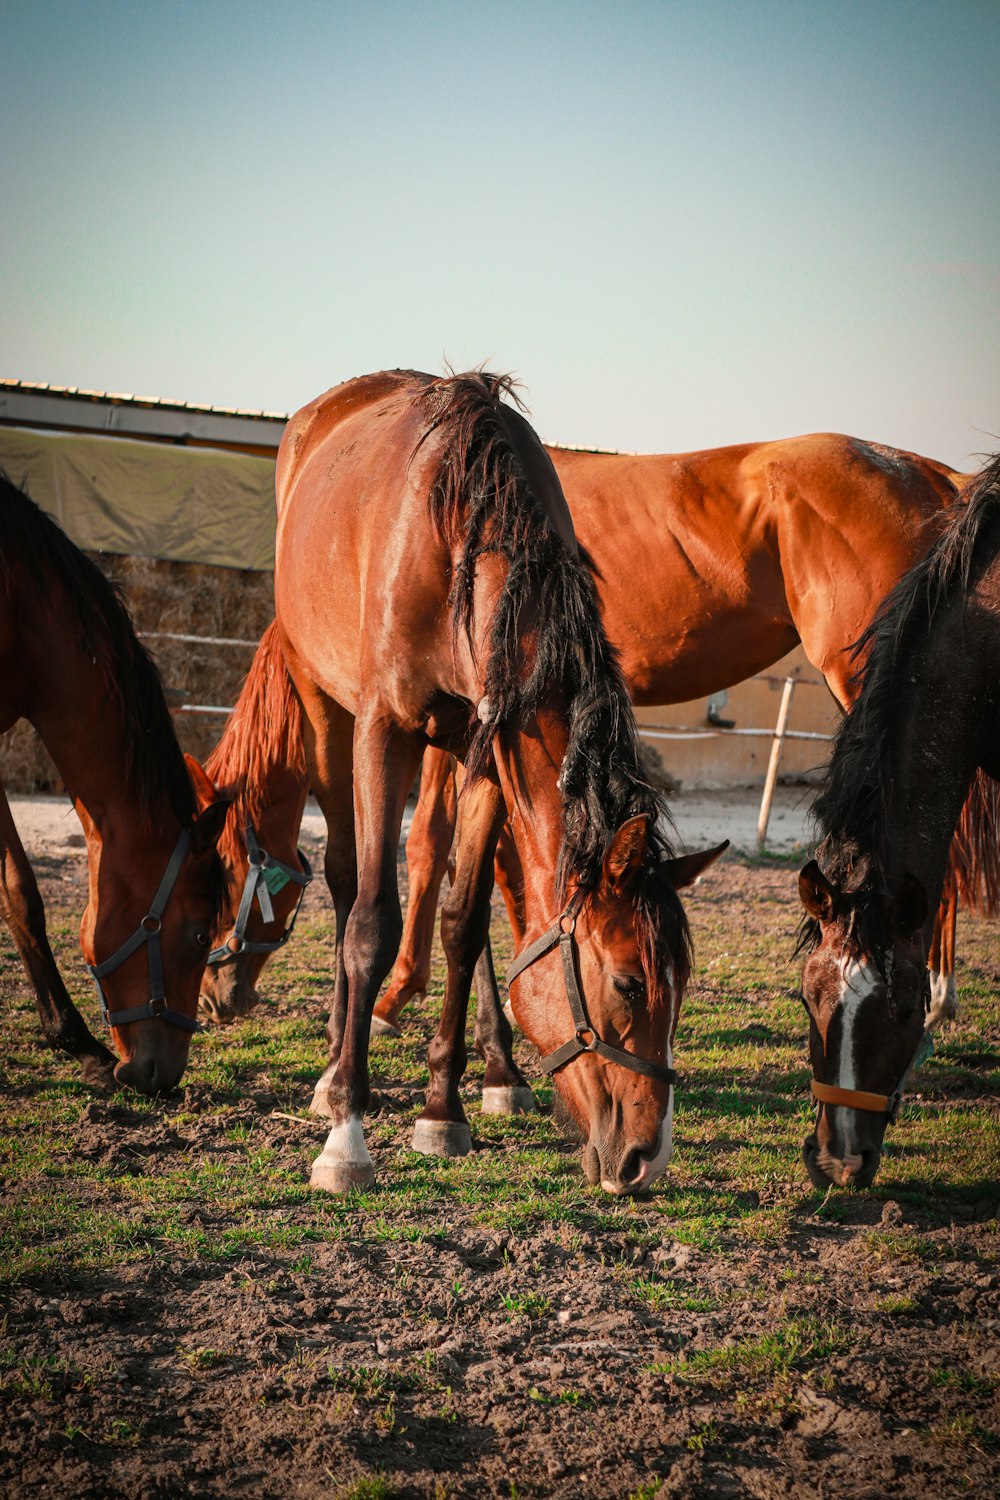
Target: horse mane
263, 734
850, 810
481, 501
35, 552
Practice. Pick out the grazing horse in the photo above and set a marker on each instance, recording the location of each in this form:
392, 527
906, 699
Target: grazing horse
926, 724
711, 566
261, 756
74, 668
428, 590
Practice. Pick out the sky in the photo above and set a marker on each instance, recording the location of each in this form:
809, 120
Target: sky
679, 224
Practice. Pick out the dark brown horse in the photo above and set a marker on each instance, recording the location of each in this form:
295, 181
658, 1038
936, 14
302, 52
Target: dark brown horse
925, 726
73, 667
428, 591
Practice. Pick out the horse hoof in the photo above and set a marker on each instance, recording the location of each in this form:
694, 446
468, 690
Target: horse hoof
502, 1099
340, 1176
379, 1027
320, 1102
508, 1011
441, 1138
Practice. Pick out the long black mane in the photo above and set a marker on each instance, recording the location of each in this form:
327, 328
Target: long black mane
35, 554
851, 809
482, 498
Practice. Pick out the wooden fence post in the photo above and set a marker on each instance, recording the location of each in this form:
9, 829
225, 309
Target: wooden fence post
772, 769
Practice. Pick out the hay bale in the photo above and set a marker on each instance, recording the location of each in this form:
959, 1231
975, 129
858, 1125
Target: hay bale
186, 599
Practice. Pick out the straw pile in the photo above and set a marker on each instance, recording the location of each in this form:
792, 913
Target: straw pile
185, 599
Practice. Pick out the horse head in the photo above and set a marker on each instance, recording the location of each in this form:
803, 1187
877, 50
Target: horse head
623, 951
865, 988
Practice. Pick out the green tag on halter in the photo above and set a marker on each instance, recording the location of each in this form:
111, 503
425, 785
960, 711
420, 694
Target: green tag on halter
275, 879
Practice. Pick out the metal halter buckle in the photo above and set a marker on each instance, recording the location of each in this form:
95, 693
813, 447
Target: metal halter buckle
147, 935
255, 888
562, 936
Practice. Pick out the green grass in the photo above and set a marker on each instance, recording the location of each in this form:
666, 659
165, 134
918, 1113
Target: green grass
735, 1187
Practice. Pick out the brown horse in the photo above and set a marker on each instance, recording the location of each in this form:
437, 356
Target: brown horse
710, 567
261, 756
428, 591
74, 668
887, 811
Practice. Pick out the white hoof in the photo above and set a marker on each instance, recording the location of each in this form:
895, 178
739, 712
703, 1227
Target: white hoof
383, 1028
509, 1100
344, 1162
320, 1103
944, 1000
340, 1176
441, 1138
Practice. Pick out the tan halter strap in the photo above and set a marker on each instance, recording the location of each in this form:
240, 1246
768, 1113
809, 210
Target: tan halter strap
876, 1104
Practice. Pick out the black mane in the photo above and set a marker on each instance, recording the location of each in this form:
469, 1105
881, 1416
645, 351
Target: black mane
34, 553
850, 810
482, 498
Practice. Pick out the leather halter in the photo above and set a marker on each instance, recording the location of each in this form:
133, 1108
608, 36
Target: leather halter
585, 1037
876, 1104
256, 886
148, 933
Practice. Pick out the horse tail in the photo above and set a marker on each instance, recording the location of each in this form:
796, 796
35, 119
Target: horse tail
974, 867
261, 741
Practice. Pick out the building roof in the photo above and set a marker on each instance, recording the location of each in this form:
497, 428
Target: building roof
26, 403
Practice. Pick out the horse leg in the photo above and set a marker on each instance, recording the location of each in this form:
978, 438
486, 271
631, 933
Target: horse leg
441, 1128
427, 849
385, 761
510, 879
63, 1026
941, 961
505, 1089
330, 759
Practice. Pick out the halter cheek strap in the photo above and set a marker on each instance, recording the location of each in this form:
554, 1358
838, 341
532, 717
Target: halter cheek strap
584, 1038
148, 934
255, 887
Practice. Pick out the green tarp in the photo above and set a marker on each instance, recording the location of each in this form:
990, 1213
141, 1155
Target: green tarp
182, 504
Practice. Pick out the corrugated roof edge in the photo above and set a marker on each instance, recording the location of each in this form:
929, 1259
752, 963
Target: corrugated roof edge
76, 393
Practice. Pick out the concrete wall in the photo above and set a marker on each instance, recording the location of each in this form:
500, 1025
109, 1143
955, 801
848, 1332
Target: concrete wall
720, 759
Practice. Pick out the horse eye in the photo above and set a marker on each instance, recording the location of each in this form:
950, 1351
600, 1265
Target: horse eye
201, 938
629, 985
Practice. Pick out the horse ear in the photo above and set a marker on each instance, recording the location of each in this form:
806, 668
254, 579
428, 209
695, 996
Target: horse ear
909, 908
685, 869
208, 825
626, 852
204, 787
816, 893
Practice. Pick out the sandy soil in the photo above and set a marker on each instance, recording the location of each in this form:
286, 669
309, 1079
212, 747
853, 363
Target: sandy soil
49, 824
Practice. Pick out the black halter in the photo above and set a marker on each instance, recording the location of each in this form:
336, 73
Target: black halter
584, 1038
148, 933
256, 885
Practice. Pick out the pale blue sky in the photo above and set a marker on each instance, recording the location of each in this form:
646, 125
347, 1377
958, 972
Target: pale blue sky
680, 224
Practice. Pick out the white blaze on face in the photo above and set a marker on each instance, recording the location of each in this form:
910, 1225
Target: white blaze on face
859, 982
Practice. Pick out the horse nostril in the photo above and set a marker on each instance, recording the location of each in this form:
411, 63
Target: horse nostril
632, 1166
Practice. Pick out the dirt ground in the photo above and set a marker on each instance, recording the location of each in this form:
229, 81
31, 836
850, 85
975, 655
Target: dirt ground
492, 1327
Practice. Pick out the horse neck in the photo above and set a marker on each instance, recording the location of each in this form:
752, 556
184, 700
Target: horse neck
528, 766
261, 753
80, 722
932, 759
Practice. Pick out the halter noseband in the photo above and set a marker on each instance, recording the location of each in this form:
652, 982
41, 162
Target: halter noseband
256, 885
877, 1104
148, 933
563, 935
